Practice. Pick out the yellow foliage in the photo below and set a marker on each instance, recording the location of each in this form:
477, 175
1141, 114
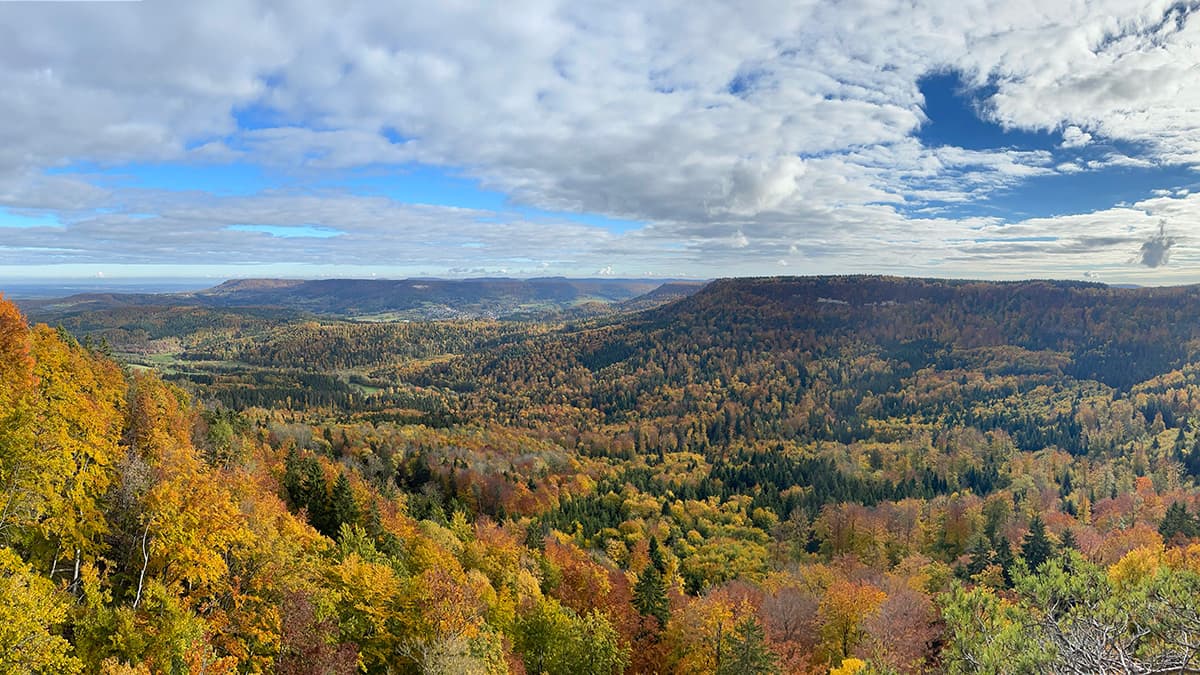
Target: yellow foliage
694, 633
30, 610
366, 595
112, 666
16, 363
61, 414
1184, 558
527, 586
1136, 566
842, 611
849, 666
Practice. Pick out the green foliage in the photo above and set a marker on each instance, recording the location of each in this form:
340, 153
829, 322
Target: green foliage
744, 651
650, 595
1067, 542
306, 488
656, 556
1137, 617
1036, 548
343, 509
984, 634
556, 641
1177, 523
479, 493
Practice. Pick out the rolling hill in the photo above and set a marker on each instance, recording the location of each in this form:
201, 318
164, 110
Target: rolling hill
408, 299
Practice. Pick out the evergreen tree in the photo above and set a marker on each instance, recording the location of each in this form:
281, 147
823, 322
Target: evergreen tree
344, 509
293, 480
314, 496
656, 556
306, 488
1177, 524
1036, 548
1064, 485
693, 581
650, 595
980, 557
1191, 459
1068, 542
1004, 558
414, 473
744, 651
535, 534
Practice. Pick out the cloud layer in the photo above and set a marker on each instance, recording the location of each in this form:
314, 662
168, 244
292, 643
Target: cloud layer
745, 137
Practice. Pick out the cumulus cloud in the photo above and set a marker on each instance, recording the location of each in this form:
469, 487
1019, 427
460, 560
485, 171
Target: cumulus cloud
1074, 137
758, 186
731, 130
1156, 251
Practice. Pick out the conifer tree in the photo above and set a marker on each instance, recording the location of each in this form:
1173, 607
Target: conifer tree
1177, 523
293, 481
656, 556
745, 652
345, 510
1067, 542
1004, 558
1036, 547
650, 595
980, 557
315, 497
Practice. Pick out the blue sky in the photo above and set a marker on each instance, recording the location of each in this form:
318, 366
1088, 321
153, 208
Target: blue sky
956, 139
958, 117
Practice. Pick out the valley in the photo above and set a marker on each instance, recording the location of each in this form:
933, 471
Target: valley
812, 470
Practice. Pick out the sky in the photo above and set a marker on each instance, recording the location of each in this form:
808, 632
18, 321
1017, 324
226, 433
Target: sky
947, 138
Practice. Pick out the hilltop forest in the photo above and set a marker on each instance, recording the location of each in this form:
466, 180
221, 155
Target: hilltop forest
788, 475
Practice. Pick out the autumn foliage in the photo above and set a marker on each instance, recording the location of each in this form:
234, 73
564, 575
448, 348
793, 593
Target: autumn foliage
831, 476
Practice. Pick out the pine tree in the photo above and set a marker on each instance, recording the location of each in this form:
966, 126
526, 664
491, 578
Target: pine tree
1177, 523
980, 557
345, 510
1067, 541
1004, 558
293, 481
1036, 548
650, 595
315, 497
1065, 487
745, 652
656, 556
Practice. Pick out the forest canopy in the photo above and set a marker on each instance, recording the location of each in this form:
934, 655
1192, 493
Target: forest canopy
845, 474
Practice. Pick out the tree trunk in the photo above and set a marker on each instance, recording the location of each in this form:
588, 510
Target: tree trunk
145, 563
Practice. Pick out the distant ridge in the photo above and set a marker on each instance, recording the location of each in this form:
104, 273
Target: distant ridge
1116, 335
412, 299
668, 292
244, 285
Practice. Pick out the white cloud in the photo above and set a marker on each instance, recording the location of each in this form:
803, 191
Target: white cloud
761, 185
733, 130
1074, 137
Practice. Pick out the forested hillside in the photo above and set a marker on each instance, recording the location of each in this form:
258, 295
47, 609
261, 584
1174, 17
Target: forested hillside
846, 474
384, 299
